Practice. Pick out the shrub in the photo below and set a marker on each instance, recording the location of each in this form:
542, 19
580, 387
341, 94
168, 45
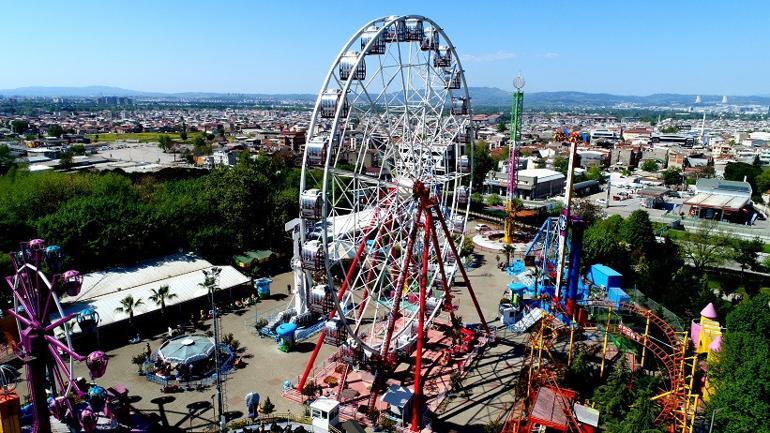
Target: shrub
139, 360
267, 406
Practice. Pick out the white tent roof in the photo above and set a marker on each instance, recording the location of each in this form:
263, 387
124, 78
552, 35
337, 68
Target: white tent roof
104, 290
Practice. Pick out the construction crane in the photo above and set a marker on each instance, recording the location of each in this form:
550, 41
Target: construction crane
513, 159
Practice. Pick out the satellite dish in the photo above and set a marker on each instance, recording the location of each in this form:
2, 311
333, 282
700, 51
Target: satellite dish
518, 82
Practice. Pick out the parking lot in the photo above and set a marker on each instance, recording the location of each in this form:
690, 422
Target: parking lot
137, 152
624, 208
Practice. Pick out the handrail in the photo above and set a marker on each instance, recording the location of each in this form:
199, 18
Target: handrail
280, 417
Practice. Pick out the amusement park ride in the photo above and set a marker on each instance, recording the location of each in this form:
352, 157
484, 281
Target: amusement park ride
513, 158
49, 361
564, 307
384, 197
384, 200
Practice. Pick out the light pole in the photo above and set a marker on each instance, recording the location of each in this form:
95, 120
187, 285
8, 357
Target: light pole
210, 282
712, 417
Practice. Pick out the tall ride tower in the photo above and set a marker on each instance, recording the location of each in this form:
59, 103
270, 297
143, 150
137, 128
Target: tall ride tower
513, 158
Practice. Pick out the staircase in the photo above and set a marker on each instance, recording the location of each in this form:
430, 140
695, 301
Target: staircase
527, 321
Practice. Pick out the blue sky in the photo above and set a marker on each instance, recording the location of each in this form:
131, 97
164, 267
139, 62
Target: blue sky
622, 47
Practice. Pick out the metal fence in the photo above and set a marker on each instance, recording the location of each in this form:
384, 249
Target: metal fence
640, 298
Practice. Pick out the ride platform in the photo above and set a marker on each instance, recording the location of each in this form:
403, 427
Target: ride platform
442, 357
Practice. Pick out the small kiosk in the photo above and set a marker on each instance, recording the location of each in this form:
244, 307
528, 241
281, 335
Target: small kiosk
325, 412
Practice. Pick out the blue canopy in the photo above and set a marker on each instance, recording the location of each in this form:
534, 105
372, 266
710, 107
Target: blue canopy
285, 329
517, 286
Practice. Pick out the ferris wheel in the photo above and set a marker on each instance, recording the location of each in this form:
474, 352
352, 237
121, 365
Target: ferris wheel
392, 117
42, 325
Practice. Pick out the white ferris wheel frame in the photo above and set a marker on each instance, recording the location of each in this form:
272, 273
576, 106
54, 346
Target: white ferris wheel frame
395, 207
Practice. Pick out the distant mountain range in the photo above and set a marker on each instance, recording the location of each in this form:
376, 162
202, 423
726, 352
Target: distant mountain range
481, 96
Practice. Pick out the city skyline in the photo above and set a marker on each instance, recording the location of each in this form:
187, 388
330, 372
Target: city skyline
172, 47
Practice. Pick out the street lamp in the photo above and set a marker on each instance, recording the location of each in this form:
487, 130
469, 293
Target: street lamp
210, 282
713, 413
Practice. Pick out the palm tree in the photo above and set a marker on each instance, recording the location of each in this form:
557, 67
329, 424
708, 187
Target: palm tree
507, 250
127, 306
160, 296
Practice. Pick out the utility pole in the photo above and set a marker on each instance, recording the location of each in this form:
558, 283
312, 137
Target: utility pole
513, 159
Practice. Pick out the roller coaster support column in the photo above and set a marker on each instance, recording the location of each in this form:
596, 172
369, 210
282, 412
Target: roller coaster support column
417, 403
604, 344
540, 344
644, 339
571, 339
694, 412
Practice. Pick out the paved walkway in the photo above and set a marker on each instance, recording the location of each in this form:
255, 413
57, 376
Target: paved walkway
488, 391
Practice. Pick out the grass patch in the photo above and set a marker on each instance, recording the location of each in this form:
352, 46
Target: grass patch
142, 137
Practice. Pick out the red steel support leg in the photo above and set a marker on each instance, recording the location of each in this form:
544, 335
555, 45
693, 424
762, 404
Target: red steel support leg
444, 282
448, 235
400, 283
397, 301
417, 402
322, 334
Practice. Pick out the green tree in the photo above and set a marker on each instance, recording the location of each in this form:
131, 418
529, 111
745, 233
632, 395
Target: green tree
160, 296
650, 165
741, 374
55, 131
477, 201
641, 416
65, 159
507, 250
587, 210
669, 129
267, 406
745, 252
580, 375
482, 164
706, 247
561, 164
128, 305
183, 133
602, 244
7, 160
78, 149
501, 127
595, 173
614, 397
19, 126
201, 146
493, 200
164, 142
672, 176
467, 247
739, 170
637, 232
763, 181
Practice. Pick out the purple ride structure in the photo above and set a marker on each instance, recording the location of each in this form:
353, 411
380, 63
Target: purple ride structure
48, 361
